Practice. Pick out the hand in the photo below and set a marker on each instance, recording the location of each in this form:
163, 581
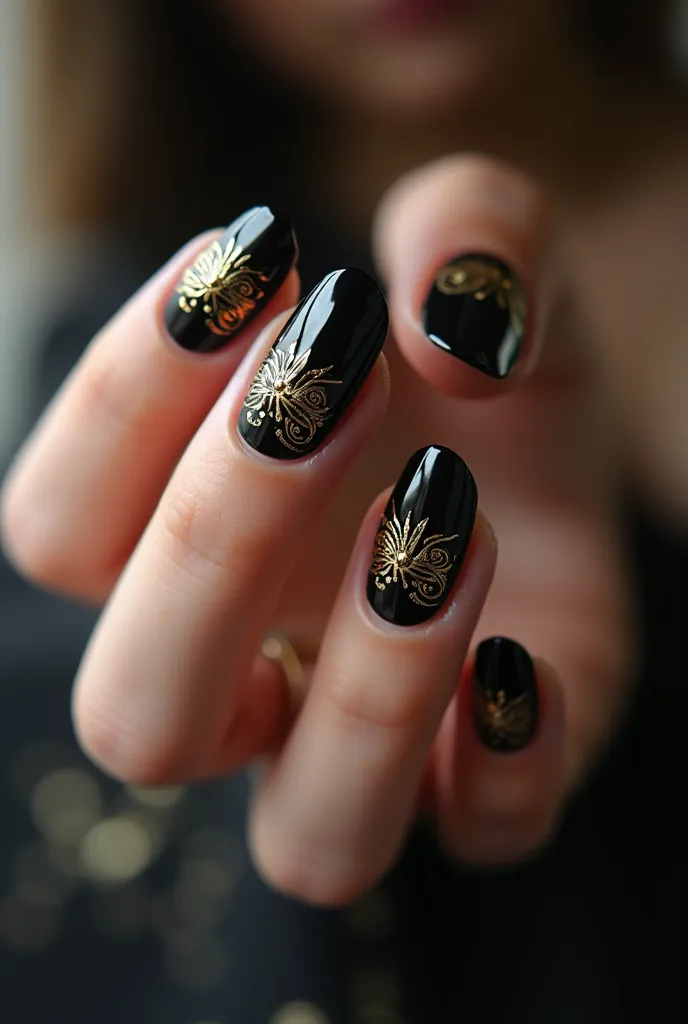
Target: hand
138, 489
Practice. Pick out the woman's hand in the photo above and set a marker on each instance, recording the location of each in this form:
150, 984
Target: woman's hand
154, 482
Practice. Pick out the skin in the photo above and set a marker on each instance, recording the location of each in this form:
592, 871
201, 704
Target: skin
140, 451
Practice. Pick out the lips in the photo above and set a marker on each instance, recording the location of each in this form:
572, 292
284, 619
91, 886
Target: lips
404, 17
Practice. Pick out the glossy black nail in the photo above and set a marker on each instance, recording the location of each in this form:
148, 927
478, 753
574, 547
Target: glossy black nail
476, 311
423, 536
231, 281
316, 367
505, 699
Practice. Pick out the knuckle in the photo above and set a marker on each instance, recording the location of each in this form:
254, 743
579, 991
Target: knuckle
197, 537
360, 700
122, 403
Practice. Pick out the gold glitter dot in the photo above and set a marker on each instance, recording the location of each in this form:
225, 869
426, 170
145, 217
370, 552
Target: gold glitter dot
116, 850
65, 804
299, 1013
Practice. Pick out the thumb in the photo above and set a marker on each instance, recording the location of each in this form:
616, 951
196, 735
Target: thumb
461, 243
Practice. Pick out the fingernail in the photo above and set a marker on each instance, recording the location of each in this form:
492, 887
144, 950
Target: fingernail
423, 536
231, 281
476, 310
505, 700
316, 367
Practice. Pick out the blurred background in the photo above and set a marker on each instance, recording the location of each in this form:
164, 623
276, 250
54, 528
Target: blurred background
117, 903
130, 904
12, 93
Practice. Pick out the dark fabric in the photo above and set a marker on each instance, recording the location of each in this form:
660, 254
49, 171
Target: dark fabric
591, 932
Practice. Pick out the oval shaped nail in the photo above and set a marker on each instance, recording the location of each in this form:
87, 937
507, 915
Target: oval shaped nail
231, 281
505, 699
476, 311
423, 536
316, 367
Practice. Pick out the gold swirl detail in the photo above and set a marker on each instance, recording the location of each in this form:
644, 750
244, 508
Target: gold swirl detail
224, 285
471, 275
403, 555
506, 721
294, 397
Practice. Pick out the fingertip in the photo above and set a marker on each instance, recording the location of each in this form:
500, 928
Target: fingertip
502, 758
460, 243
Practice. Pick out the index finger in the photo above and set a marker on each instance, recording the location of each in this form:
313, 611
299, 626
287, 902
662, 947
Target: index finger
86, 483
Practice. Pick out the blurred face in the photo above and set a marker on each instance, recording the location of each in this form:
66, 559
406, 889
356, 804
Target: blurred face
408, 56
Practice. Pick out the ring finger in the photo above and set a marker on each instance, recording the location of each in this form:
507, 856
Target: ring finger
333, 808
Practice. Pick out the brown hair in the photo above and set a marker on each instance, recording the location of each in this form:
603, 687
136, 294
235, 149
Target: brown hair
145, 115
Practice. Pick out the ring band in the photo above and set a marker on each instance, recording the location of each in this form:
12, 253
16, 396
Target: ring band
277, 648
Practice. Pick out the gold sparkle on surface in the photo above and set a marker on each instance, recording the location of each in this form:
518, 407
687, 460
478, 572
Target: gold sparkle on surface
403, 555
224, 283
504, 721
293, 397
471, 275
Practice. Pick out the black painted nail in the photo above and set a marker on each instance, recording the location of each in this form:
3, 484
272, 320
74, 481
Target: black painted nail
231, 281
476, 310
505, 699
423, 536
316, 367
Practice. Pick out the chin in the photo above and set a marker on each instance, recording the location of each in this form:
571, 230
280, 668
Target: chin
422, 84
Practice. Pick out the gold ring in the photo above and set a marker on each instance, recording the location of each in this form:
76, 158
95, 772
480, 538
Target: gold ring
277, 648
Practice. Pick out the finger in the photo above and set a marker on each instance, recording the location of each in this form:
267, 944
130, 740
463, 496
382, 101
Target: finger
332, 811
87, 482
165, 673
500, 758
461, 243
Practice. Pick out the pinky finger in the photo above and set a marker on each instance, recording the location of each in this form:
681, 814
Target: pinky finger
500, 766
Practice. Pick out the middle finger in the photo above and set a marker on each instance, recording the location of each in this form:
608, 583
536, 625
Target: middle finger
163, 672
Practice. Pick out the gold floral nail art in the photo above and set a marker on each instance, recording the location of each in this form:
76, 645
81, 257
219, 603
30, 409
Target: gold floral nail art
292, 396
226, 286
503, 723
472, 275
402, 555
